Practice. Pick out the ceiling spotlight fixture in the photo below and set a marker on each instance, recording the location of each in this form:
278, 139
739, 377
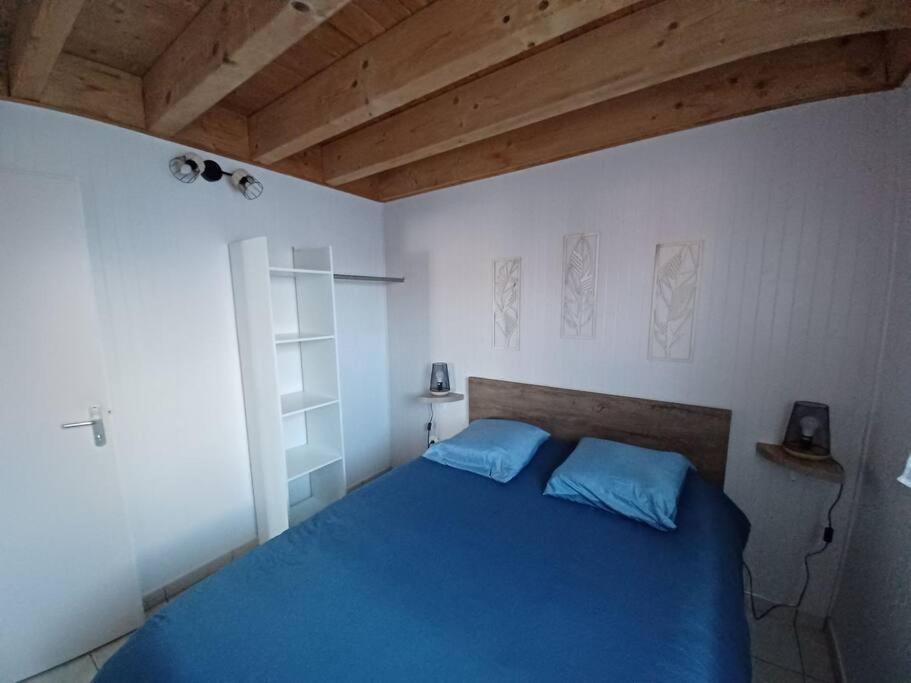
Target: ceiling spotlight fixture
188, 167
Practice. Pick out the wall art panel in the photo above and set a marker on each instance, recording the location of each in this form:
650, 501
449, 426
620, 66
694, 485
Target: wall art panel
580, 285
674, 292
507, 291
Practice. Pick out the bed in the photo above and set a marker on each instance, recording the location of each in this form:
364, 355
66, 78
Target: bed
433, 573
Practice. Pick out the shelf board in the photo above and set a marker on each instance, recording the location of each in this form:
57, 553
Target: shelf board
827, 469
296, 338
301, 402
451, 397
295, 272
302, 460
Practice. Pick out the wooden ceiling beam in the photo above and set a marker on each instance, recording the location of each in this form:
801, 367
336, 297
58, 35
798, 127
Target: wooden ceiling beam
440, 45
663, 42
42, 27
226, 43
832, 68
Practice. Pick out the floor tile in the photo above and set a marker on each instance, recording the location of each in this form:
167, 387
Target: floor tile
773, 640
817, 658
105, 652
763, 672
79, 670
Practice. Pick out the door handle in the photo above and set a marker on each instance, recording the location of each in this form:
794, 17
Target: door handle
94, 421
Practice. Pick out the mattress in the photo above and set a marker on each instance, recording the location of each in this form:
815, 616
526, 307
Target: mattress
432, 573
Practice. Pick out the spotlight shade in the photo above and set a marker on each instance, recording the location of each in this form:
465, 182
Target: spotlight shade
186, 167
808, 431
249, 186
439, 379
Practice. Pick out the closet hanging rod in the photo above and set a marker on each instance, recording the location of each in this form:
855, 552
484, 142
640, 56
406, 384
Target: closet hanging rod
369, 278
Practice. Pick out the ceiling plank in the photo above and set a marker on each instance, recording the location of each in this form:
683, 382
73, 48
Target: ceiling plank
307, 165
103, 92
436, 47
325, 45
219, 130
225, 44
42, 27
660, 43
298, 63
129, 35
832, 68
898, 56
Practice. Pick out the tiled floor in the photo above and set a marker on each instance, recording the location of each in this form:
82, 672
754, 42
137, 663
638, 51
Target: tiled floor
83, 669
775, 655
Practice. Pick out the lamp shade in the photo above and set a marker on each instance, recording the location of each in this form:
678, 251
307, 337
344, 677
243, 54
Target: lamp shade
439, 379
808, 431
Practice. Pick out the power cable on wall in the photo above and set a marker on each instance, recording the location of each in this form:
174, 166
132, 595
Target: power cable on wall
827, 537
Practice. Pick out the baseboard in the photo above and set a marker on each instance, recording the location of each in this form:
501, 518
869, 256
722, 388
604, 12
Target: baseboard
839, 668
171, 590
179, 585
364, 482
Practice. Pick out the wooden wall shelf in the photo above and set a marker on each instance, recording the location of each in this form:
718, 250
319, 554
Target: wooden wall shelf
451, 397
827, 470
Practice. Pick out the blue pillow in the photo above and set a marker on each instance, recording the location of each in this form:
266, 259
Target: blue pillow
498, 449
638, 483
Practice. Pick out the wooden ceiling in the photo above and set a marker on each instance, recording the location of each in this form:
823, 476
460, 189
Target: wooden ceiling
391, 98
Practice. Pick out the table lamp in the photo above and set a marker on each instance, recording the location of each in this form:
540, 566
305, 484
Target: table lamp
439, 379
807, 435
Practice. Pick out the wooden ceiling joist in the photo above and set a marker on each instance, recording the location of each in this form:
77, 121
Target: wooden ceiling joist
832, 68
42, 27
226, 43
440, 45
654, 45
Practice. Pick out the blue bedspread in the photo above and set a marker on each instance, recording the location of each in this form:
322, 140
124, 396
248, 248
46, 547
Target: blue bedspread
434, 574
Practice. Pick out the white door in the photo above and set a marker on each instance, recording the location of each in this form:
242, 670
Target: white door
68, 580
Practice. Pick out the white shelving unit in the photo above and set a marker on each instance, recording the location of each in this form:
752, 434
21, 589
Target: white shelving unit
289, 365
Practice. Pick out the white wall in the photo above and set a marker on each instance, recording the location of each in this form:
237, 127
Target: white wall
794, 208
160, 257
872, 611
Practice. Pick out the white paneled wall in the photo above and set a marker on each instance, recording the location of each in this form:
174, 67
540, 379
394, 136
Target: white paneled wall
795, 211
160, 258
872, 611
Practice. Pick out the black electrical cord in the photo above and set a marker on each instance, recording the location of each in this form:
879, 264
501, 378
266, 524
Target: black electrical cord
827, 537
430, 424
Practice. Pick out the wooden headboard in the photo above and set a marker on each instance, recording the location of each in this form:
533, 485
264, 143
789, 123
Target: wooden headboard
699, 433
